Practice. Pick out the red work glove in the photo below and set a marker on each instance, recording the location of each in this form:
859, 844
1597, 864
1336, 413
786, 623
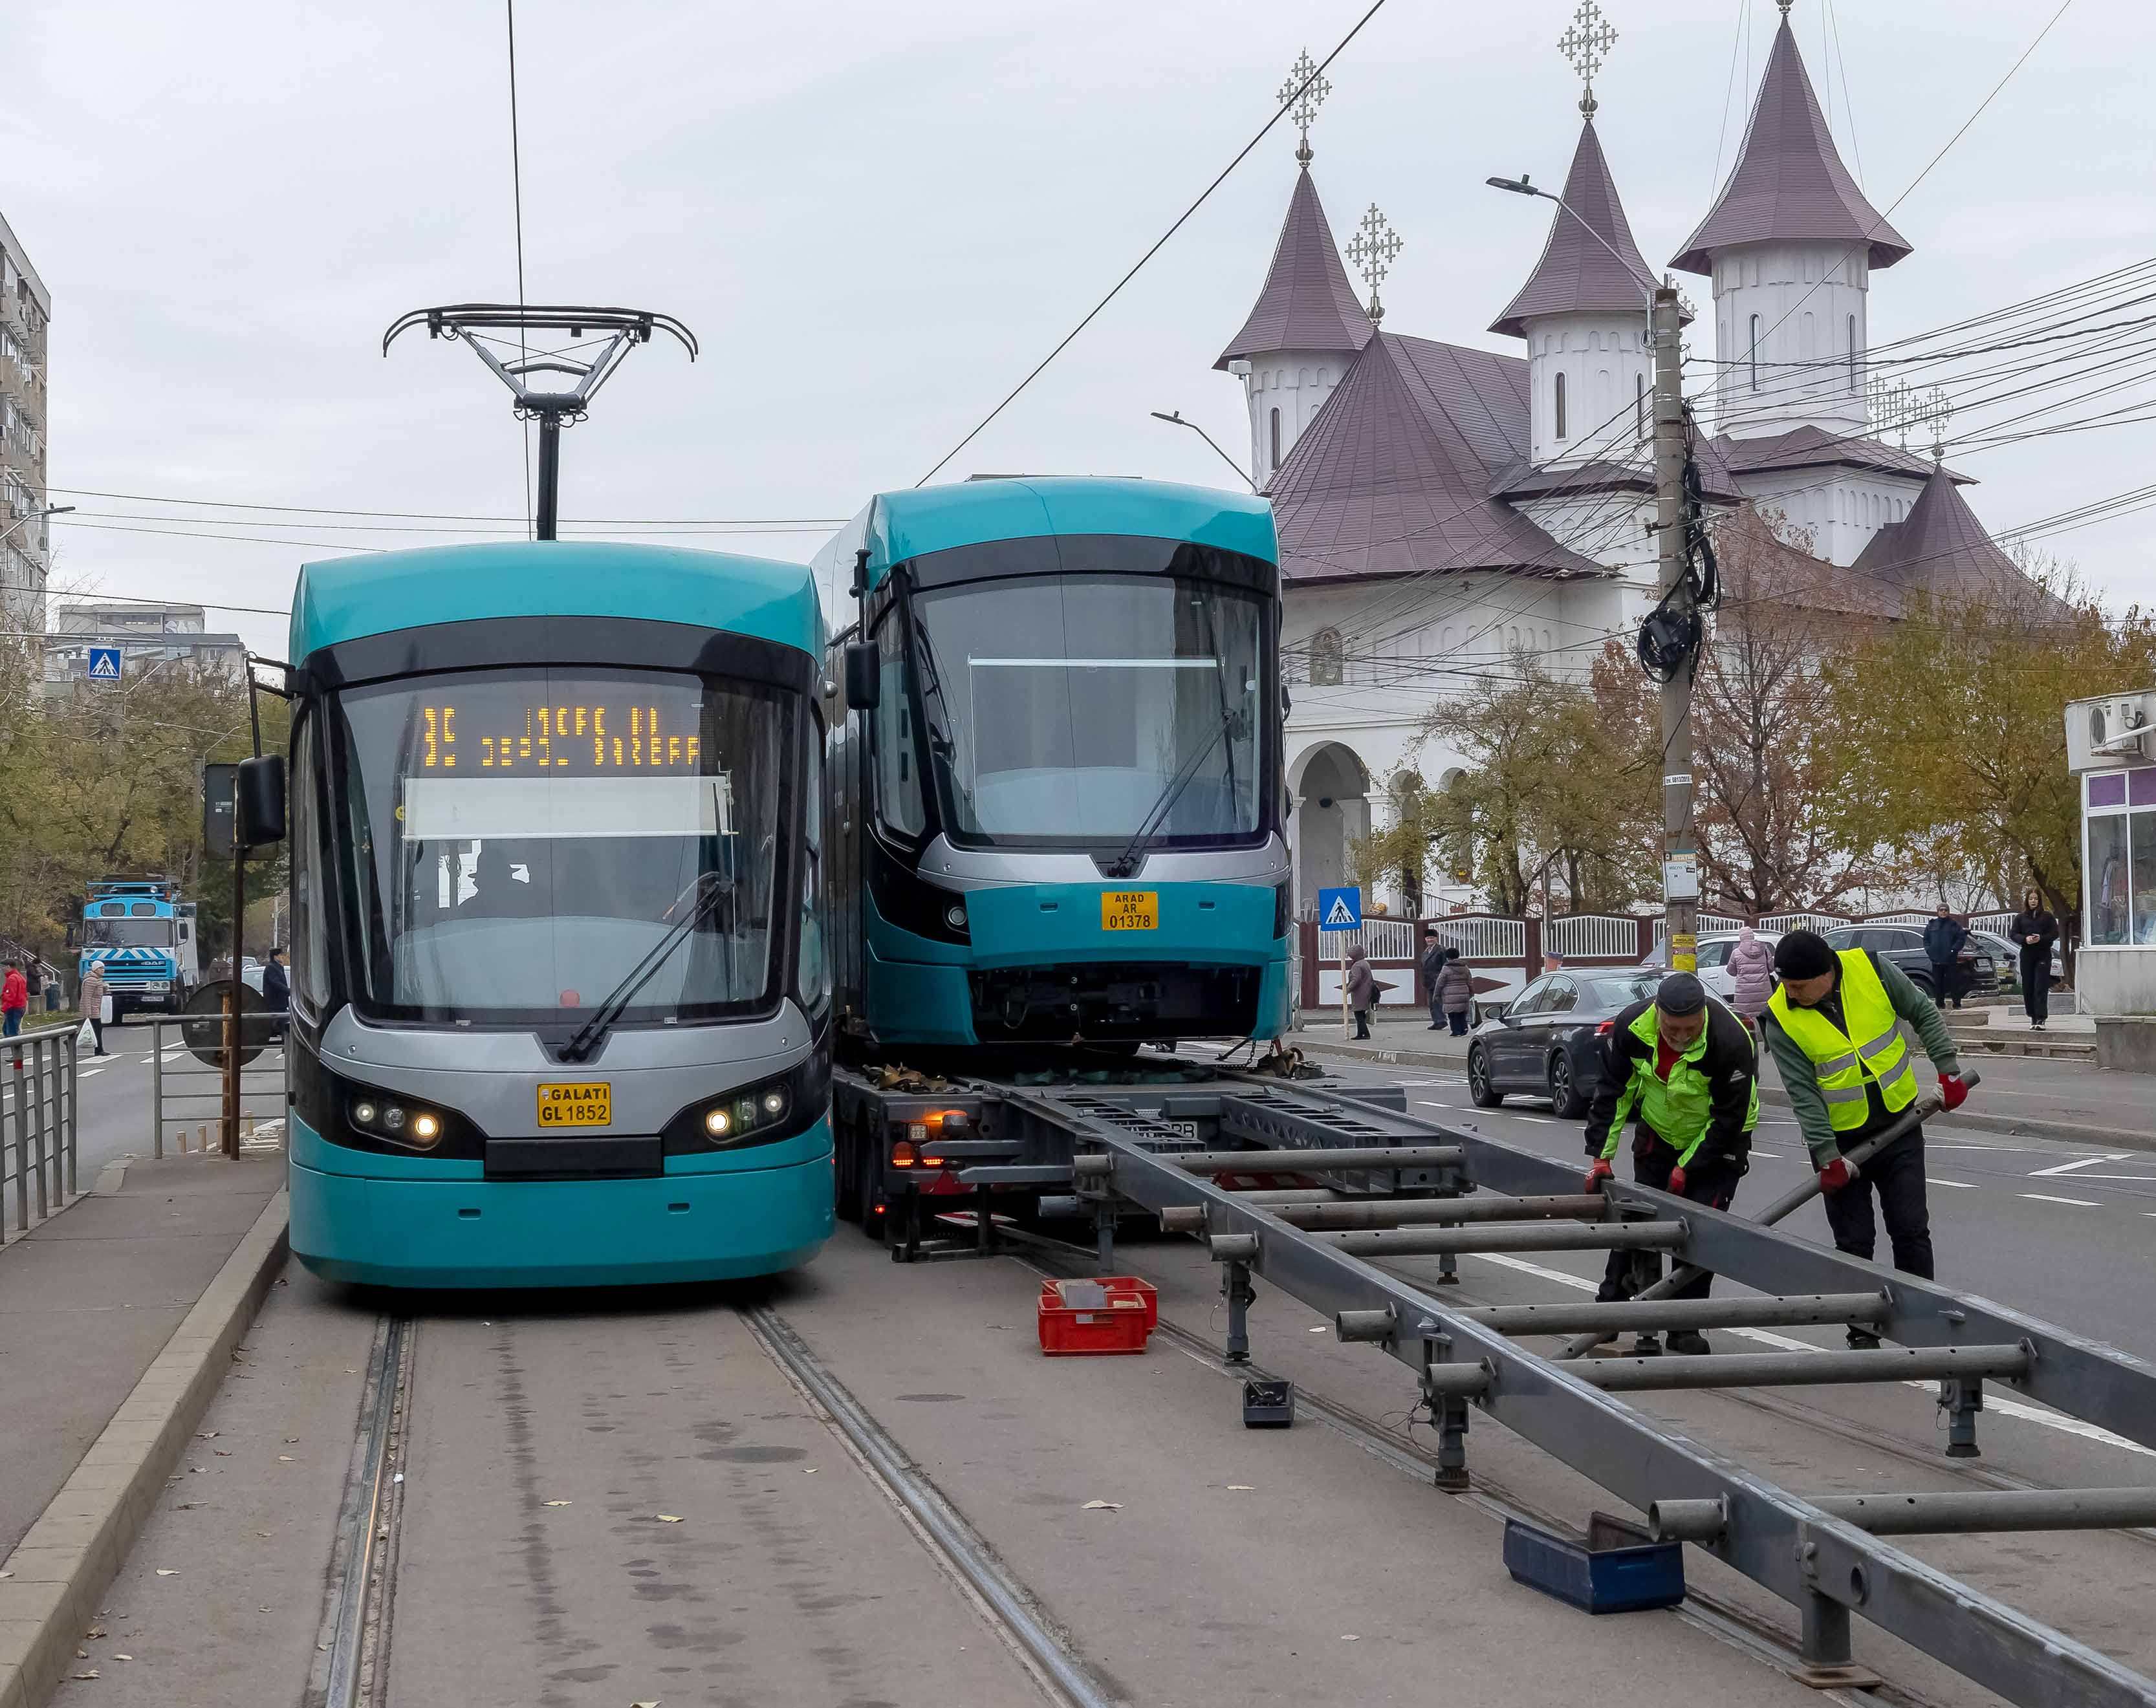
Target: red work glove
1678, 1180
1952, 1091
1836, 1175
1599, 1173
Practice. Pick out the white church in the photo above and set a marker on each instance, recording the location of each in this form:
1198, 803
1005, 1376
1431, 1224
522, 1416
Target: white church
1441, 507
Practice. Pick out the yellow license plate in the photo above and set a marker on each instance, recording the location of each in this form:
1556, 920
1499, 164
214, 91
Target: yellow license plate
1129, 910
577, 1103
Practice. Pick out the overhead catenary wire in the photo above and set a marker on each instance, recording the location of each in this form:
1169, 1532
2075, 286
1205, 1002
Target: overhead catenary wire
517, 196
1158, 244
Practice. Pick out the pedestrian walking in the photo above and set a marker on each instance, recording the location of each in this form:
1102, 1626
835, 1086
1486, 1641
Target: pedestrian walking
14, 1001
1362, 989
1845, 1065
1454, 992
1944, 936
94, 1000
1431, 965
1684, 1066
2034, 931
1751, 978
276, 991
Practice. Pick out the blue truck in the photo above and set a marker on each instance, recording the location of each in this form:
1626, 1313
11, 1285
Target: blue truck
144, 937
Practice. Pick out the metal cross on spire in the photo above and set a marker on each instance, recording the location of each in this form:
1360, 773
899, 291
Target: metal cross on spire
1305, 92
1934, 410
1372, 249
1586, 43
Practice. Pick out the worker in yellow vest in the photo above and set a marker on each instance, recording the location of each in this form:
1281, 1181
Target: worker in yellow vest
1834, 1026
1681, 1064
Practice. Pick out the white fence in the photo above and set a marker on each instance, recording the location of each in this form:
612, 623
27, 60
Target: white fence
1593, 937
1707, 922
1482, 937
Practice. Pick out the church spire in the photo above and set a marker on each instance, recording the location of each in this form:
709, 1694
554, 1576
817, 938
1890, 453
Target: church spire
1306, 303
1789, 183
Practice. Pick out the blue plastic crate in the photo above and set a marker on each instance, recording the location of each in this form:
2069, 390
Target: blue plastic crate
1617, 1568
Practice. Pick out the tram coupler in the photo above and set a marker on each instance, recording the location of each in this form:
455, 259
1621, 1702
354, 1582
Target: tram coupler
1961, 1397
1235, 1286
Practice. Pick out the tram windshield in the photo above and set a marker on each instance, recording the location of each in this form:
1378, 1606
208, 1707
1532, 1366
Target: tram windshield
1093, 709
515, 843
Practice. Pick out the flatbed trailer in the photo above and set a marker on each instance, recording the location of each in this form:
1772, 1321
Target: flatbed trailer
1316, 1187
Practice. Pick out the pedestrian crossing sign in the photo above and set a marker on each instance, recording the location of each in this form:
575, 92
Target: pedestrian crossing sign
104, 664
1340, 910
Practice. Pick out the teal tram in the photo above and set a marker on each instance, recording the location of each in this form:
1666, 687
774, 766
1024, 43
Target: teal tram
561, 995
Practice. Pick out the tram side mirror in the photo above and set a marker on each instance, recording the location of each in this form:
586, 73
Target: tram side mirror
259, 798
864, 678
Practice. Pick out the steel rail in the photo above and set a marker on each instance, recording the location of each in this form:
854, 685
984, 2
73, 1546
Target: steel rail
361, 1533
1826, 1567
962, 1550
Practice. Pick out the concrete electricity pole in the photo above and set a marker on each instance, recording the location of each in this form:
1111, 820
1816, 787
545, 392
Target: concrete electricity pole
1680, 857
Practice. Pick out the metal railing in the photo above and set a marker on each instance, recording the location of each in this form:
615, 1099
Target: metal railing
1592, 936
1484, 937
1707, 922
38, 1124
187, 1088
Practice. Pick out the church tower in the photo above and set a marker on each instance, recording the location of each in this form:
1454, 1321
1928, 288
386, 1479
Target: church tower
1791, 244
1306, 325
1583, 310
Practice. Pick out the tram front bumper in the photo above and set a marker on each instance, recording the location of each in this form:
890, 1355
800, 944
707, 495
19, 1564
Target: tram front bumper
393, 1232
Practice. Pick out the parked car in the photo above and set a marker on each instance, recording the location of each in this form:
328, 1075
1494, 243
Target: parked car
1713, 958
1904, 945
2008, 955
1544, 1044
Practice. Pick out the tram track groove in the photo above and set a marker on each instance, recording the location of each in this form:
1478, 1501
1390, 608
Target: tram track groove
965, 1557
352, 1653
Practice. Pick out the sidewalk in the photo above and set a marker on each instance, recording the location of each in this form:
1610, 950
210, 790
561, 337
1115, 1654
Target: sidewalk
117, 1320
2073, 1101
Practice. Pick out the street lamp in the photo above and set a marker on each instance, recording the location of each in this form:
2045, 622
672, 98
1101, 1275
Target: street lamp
35, 515
1175, 419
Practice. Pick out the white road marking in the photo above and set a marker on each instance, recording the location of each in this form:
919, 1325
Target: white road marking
1993, 1402
1941, 1180
2085, 1162
2044, 1197
89, 1073
2142, 1179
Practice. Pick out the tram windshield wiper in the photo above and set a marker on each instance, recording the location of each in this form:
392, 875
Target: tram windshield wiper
1126, 862
715, 887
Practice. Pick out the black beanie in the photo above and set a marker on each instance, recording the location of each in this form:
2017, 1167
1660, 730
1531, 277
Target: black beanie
1803, 955
1680, 994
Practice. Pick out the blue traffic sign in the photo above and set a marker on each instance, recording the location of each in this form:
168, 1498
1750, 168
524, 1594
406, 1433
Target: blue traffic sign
1340, 910
104, 664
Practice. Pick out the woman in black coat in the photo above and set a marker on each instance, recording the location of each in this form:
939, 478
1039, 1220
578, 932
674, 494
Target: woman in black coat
2034, 930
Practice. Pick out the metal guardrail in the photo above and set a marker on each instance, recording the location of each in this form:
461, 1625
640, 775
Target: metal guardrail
186, 1090
1822, 1555
38, 1122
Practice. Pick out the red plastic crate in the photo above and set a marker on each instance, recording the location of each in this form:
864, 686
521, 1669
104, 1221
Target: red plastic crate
1111, 1313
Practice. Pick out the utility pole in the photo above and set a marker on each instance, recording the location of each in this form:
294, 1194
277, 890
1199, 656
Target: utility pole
1680, 857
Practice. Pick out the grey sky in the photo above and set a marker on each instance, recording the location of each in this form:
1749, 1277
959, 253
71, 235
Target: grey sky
877, 218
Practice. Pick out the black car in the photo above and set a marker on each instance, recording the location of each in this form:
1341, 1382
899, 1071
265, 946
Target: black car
1545, 1044
1904, 945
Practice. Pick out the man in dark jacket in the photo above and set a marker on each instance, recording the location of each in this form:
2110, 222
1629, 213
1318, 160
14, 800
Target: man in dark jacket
1429, 966
1683, 1064
1944, 936
276, 989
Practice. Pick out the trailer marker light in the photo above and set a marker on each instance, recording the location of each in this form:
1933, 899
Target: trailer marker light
917, 1131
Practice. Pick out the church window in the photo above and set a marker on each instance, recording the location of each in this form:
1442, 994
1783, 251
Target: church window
1640, 406
1852, 353
1324, 378
1303, 377
1275, 437
1806, 333
1755, 352
1445, 644
1560, 406
1327, 658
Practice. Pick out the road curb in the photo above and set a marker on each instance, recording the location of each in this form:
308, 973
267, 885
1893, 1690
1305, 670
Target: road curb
2005, 1125
61, 1567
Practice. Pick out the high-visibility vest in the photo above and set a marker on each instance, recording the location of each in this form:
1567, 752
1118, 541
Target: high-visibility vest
1871, 1048
1680, 1109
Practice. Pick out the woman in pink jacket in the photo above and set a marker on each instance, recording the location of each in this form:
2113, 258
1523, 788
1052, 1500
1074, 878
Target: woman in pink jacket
1751, 978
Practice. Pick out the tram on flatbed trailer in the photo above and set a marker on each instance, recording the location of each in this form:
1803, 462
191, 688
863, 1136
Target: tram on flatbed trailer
1057, 796
560, 1007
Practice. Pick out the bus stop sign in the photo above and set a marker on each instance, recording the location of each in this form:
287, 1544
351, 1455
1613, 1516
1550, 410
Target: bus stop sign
1340, 910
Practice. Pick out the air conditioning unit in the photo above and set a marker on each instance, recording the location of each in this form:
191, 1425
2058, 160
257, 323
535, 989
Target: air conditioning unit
2119, 725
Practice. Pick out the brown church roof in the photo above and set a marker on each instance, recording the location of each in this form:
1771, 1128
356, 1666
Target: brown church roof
1576, 274
1788, 182
1941, 549
1306, 302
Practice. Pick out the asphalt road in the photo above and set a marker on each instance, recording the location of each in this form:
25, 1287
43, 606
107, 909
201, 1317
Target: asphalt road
2064, 1231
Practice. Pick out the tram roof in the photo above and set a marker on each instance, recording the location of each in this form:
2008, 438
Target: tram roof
899, 526
343, 599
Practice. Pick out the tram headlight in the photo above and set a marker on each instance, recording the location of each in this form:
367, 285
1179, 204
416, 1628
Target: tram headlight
393, 1120
745, 1114
955, 917
426, 1128
363, 1112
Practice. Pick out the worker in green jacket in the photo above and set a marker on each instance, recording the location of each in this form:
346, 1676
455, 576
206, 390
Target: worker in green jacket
1683, 1065
1835, 1026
